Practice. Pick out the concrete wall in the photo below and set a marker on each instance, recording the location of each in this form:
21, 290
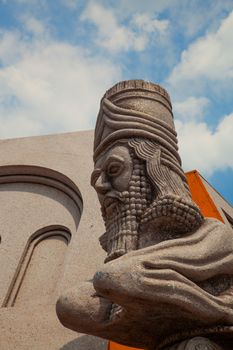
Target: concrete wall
50, 221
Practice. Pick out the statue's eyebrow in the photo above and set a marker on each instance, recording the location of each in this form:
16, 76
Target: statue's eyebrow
95, 174
113, 158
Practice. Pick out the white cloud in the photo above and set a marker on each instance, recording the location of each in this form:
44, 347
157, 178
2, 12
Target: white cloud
204, 150
193, 108
33, 25
206, 67
115, 36
146, 23
194, 17
209, 57
48, 86
9, 48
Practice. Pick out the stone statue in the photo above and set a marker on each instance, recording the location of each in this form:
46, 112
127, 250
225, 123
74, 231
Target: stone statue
168, 278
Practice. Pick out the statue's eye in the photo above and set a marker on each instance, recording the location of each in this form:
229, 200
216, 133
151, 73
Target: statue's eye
114, 169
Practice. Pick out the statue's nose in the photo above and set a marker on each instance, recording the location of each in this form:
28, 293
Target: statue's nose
102, 184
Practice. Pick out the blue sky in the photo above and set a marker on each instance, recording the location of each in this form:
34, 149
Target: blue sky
57, 58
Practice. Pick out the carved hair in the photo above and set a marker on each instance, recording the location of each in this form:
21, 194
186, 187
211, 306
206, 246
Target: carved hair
165, 177
172, 199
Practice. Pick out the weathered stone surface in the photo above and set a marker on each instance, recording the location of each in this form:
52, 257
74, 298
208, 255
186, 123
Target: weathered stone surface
198, 343
168, 273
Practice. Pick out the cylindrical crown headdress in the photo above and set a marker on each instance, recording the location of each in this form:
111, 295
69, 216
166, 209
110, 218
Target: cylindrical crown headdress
137, 109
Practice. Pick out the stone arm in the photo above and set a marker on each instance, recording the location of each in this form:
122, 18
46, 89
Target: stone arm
168, 291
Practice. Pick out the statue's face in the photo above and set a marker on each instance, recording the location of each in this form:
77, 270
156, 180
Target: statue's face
120, 181
111, 176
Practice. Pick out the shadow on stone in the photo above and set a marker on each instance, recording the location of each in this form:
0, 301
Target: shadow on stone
86, 342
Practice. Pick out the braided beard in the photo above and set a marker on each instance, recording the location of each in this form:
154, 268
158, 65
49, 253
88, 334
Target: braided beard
123, 221
168, 217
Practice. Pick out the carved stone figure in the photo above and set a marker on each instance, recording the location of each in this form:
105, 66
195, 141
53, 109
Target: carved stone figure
168, 278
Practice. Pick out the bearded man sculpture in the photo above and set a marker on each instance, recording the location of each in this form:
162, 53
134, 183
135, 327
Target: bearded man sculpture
168, 278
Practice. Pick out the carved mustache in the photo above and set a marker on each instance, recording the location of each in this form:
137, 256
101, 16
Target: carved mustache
114, 195
112, 198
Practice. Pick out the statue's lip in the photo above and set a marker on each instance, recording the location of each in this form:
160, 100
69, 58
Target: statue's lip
109, 201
